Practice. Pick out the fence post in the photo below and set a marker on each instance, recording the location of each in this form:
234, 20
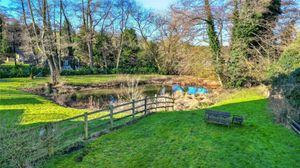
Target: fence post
145, 105
86, 126
111, 111
155, 99
173, 107
133, 108
156, 102
50, 137
165, 104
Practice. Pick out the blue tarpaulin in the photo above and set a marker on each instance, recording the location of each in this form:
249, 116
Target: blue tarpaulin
202, 90
177, 88
192, 90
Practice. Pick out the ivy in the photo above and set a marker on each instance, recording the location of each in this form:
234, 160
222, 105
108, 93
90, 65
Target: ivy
248, 23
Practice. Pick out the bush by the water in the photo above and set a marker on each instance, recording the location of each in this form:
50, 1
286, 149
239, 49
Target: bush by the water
285, 94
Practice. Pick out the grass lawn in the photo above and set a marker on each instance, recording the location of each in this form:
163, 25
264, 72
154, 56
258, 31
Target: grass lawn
167, 139
17, 106
183, 139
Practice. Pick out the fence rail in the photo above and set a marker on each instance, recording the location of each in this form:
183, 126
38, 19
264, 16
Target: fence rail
45, 140
294, 125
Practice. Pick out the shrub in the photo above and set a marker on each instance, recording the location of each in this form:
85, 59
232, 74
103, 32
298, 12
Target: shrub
83, 71
11, 71
285, 94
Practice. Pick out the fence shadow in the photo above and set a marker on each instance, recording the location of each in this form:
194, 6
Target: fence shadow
10, 117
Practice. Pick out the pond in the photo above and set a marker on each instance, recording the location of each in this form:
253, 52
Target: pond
100, 98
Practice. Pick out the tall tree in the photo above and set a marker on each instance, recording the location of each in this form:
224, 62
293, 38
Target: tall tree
253, 25
199, 14
66, 30
124, 10
44, 40
130, 49
214, 42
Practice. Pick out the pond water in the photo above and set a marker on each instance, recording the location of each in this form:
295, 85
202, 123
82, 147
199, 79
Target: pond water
100, 98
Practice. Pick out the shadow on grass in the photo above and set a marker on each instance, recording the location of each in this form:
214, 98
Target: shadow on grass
10, 92
18, 101
10, 117
156, 140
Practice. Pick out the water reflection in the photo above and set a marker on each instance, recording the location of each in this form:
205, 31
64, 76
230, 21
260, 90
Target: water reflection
100, 98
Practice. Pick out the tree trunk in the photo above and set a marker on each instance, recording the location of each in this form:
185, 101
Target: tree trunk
118, 57
104, 54
213, 41
69, 34
90, 50
89, 28
119, 51
54, 72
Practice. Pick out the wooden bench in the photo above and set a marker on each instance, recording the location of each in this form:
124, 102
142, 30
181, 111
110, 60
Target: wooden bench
217, 117
237, 120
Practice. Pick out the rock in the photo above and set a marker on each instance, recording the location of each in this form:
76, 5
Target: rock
178, 94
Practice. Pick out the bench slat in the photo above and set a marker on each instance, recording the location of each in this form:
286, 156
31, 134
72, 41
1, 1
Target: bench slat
218, 117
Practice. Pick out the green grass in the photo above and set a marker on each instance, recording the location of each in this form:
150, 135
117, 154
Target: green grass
167, 139
20, 107
183, 139
13, 64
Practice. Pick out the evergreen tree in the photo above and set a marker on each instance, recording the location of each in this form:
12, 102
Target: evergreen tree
4, 45
103, 56
129, 57
1, 29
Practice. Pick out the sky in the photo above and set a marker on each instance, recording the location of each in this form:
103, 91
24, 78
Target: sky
158, 5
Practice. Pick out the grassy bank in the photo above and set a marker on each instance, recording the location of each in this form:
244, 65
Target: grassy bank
20, 107
183, 139
167, 139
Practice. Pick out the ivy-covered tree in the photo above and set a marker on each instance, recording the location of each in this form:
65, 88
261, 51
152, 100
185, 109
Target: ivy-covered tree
214, 42
252, 26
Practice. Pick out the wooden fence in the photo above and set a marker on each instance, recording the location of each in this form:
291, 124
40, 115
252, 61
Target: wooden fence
41, 141
294, 125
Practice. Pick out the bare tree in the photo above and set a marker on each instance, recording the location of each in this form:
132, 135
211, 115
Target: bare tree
124, 10
44, 40
147, 28
202, 12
